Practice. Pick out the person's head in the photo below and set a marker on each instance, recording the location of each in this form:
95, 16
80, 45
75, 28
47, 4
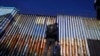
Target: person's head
55, 23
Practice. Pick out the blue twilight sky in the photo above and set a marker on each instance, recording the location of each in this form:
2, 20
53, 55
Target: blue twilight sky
53, 7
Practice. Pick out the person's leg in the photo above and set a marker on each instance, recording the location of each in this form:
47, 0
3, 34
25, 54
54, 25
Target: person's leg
52, 47
46, 47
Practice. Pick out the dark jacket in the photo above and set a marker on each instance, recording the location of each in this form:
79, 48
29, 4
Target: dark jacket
52, 32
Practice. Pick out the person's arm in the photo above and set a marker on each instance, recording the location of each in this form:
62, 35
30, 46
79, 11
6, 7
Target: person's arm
47, 32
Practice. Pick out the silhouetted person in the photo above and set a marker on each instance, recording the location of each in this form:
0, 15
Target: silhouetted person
51, 38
